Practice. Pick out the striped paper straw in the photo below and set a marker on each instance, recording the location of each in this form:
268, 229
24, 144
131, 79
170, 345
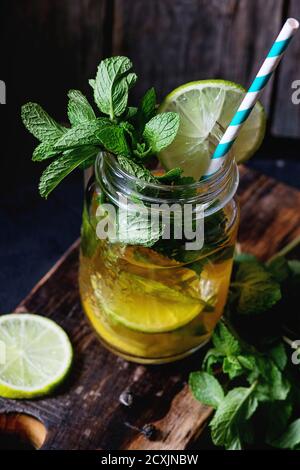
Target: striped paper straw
265, 72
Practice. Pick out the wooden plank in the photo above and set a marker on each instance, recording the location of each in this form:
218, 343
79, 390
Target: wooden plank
286, 119
270, 214
50, 47
173, 42
85, 413
54, 46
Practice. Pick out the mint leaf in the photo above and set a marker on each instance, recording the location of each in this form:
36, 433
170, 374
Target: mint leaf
135, 228
229, 424
92, 83
113, 140
290, 438
233, 367
212, 358
61, 167
147, 107
129, 131
44, 151
271, 384
86, 133
171, 176
112, 85
215, 230
279, 356
142, 150
206, 388
254, 289
89, 161
40, 124
131, 80
136, 170
186, 180
224, 341
161, 130
79, 109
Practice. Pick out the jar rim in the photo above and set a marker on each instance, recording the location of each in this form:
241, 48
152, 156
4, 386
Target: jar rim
196, 185
217, 188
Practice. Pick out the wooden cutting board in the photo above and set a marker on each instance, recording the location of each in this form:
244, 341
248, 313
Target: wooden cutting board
86, 413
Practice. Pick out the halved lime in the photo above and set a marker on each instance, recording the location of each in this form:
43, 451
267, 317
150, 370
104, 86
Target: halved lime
36, 355
200, 105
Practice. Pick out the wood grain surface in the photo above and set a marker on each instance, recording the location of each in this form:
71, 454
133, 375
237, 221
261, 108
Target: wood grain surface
173, 41
86, 413
58, 45
286, 114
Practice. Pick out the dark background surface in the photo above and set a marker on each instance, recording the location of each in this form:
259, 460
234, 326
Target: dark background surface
50, 46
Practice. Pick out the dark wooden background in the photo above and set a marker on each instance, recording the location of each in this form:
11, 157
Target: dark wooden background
50, 46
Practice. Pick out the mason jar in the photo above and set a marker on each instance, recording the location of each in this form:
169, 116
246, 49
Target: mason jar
153, 297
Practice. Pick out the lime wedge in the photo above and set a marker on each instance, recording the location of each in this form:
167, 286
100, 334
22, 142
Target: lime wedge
200, 105
36, 355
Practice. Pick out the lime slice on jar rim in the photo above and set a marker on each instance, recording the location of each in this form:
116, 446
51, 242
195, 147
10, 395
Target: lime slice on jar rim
35, 355
201, 105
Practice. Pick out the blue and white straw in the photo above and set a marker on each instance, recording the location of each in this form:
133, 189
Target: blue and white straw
265, 72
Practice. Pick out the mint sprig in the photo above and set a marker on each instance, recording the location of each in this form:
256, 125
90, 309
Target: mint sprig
63, 166
128, 132
112, 85
40, 124
256, 396
160, 130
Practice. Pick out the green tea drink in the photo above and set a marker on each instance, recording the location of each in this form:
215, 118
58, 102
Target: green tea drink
148, 308
156, 303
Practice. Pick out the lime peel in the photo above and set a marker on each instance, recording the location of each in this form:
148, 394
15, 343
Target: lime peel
200, 105
37, 352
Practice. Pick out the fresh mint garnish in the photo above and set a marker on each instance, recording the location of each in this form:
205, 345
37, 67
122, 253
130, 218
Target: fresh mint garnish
147, 108
128, 132
44, 151
254, 289
112, 85
40, 124
159, 132
113, 138
136, 170
85, 133
62, 166
260, 404
206, 388
171, 176
230, 425
79, 109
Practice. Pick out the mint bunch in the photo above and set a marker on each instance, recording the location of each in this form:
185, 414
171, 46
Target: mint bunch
133, 134
256, 396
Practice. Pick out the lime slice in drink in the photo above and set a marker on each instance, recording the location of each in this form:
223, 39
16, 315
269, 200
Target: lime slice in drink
35, 357
149, 306
200, 104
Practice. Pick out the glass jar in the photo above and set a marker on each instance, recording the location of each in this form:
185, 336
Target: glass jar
151, 299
